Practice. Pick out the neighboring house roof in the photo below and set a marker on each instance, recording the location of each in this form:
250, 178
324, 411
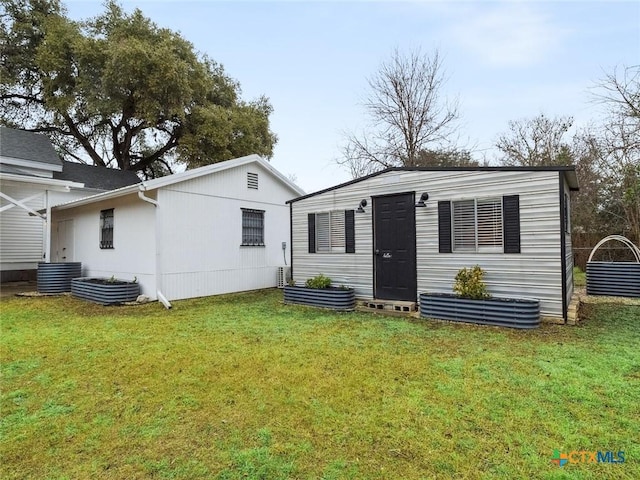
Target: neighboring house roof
181, 177
569, 171
28, 147
99, 178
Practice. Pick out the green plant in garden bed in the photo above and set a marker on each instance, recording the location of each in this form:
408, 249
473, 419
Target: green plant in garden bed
319, 281
470, 284
242, 386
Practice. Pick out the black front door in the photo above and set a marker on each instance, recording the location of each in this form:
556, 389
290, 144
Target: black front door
394, 247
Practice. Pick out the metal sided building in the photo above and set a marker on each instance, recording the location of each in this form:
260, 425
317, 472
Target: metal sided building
215, 229
404, 231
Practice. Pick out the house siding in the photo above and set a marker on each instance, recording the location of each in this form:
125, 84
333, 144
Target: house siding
133, 255
21, 235
200, 227
534, 273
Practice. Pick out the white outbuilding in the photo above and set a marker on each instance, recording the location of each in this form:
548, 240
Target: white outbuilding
216, 229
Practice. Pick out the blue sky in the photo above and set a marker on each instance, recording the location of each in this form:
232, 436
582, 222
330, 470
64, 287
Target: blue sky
503, 60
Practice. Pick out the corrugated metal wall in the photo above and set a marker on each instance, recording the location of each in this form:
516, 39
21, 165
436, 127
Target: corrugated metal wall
568, 253
534, 273
200, 227
21, 235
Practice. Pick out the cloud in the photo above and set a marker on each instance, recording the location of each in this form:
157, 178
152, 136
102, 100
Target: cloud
507, 34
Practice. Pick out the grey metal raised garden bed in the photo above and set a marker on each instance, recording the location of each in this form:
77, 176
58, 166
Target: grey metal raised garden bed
501, 312
333, 297
105, 291
614, 279
56, 277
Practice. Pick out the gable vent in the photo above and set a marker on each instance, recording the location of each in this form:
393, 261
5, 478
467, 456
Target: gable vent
252, 180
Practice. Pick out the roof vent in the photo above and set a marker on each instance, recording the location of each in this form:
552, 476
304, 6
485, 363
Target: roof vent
252, 180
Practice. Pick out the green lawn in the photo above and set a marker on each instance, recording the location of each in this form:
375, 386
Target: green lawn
579, 277
243, 387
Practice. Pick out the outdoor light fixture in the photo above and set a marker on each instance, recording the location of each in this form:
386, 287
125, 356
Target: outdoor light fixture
363, 203
423, 198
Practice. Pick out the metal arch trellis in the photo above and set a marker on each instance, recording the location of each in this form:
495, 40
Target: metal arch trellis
617, 279
624, 240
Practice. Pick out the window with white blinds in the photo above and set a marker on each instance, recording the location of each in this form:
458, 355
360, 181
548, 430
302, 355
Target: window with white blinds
323, 233
464, 225
477, 225
330, 231
489, 222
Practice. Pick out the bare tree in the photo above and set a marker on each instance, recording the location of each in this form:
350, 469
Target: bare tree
536, 141
407, 112
618, 145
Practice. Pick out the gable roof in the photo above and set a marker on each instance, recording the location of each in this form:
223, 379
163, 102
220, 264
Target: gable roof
569, 172
181, 177
99, 178
29, 147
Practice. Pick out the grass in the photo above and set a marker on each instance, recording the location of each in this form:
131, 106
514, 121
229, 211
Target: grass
579, 277
243, 387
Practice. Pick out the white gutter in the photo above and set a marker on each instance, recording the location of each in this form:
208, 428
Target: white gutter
65, 184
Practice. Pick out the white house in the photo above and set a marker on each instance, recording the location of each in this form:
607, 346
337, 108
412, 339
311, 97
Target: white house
32, 180
215, 229
405, 231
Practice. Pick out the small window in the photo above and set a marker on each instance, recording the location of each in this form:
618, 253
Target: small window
252, 227
106, 228
330, 231
477, 225
252, 180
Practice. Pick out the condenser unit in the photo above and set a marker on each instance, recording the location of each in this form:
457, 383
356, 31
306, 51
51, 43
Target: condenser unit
283, 276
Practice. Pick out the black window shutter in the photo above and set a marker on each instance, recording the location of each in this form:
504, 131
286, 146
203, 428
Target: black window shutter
511, 223
444, 226
349, 231
312, 233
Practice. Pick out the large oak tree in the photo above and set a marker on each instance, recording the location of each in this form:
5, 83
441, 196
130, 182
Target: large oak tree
117, 90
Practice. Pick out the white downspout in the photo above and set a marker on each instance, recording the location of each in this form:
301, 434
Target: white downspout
159, 294
142, 196
47, 229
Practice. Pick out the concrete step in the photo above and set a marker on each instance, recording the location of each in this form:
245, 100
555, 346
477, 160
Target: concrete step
387, 306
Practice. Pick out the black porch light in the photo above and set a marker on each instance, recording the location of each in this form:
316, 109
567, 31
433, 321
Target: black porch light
363, 203
423, 198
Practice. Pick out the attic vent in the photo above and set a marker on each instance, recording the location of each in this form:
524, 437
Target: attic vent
252, 180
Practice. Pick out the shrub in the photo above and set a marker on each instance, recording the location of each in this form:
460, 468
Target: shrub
469, 283
319, 281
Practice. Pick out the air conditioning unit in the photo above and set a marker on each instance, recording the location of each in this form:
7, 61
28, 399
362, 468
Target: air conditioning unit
283, 276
